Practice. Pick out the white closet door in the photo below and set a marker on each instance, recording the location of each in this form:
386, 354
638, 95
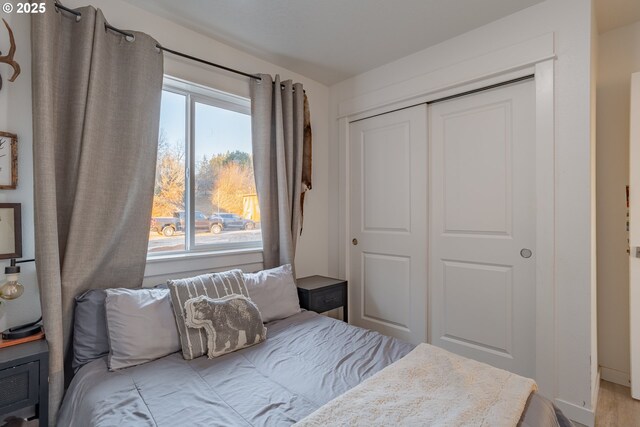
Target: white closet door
482, 229
388, 225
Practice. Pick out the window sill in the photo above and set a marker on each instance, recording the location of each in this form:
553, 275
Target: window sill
180, 265
160, 258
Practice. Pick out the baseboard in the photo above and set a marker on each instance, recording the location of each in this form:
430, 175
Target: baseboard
584, 416
615, 376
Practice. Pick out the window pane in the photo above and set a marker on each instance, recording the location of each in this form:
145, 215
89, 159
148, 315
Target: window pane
225, 190
168, 215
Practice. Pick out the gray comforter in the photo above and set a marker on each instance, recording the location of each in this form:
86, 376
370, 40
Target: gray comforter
306, 361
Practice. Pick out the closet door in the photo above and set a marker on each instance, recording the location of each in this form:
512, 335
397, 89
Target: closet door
482, 229
388, 223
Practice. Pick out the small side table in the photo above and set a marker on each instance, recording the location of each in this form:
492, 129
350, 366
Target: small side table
24, 379
320, 294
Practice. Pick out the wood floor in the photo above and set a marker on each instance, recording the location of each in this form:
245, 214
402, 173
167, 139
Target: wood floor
616, 408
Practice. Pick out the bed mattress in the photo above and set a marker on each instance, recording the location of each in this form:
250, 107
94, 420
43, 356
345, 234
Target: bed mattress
306, 361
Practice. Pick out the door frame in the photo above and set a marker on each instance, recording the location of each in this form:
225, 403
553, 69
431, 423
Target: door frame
457, 79
634, 239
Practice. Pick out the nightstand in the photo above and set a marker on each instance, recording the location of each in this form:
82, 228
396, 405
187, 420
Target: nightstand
24, 379
320, 294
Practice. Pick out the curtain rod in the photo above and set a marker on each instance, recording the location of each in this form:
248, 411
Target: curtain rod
202, 61
165, 49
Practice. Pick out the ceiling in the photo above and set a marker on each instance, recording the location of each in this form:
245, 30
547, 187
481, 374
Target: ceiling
331, 40
612, 14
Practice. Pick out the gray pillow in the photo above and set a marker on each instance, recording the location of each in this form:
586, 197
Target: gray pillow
90, 340
141, 326
274, 291
213, 285
231, 322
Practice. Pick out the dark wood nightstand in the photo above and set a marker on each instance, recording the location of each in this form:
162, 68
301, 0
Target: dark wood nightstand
320, 294
24, 379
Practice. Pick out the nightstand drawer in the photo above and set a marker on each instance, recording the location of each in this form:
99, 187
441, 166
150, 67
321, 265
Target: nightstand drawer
19, 386
326, 300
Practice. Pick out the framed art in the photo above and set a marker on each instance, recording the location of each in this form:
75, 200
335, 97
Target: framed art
8, 161
10, 231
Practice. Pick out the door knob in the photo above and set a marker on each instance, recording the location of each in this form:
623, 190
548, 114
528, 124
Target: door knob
354, 242
526, 253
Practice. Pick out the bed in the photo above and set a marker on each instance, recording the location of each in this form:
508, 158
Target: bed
306, 361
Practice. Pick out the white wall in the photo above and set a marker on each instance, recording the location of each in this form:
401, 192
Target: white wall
570, 21
15, 116
619, 57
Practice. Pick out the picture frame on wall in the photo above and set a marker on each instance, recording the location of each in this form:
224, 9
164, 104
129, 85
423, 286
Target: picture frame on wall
8, 161
10, 230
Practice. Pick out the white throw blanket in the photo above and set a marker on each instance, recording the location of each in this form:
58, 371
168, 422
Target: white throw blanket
430, 386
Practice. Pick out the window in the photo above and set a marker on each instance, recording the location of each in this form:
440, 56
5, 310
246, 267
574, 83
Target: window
215, 207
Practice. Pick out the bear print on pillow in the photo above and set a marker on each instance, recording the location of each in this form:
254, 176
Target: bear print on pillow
231, 323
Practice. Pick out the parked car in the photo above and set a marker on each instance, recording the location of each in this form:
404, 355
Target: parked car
233, 221
168, 226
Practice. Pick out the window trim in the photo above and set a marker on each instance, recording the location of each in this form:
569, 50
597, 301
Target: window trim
193, 94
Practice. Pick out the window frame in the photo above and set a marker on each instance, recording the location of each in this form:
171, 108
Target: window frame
194, 94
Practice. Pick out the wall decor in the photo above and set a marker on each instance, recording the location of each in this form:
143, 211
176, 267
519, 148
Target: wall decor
10, 230
8, 161
8, 59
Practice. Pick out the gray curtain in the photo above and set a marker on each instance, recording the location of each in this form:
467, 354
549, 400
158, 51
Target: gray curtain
277, 121
96, 109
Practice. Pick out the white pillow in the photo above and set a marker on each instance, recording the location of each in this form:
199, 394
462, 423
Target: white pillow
141, 326
274, 292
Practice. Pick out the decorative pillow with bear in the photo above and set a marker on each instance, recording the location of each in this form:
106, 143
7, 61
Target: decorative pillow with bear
231, 323
213, 285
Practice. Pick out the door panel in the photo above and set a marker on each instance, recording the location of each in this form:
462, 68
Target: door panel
386, 196
467, 184
382, 302
201, 221
485, 291
388, 187
482, 215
